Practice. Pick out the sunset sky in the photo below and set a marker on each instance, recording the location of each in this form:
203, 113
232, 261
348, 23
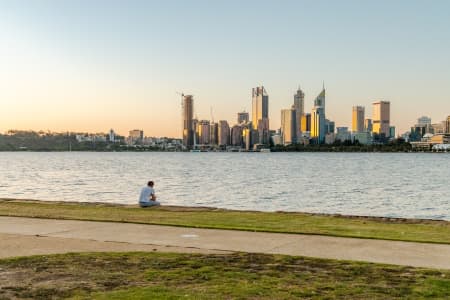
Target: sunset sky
95, 65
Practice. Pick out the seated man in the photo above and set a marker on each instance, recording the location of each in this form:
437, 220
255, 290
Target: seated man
148, 197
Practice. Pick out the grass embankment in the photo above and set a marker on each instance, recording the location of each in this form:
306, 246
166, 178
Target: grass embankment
301, 223
195, 276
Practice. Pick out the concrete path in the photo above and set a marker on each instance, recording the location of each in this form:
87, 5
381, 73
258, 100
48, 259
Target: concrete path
26, 236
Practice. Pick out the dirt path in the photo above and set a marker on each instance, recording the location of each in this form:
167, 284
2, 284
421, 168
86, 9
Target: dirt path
28, 236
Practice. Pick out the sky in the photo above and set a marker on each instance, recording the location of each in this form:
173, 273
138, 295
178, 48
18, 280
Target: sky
88, 66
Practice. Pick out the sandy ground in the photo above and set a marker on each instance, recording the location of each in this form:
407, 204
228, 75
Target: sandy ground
29, 236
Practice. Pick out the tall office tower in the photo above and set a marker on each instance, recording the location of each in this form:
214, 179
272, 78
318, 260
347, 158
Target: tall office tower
320, 99
358, 119
260, 113
224, 133
423, 121
318, 118
381, 117
318, 125
306, 122
299, 105
236, 135
203, 130
289, 126
188, 124
214, 133
242, 117
447, 125
368, 125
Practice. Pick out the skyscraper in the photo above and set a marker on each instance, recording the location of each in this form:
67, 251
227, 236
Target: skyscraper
288, 125
381, 117
320, 99
318, 118
318, 125
358, 119
224, 133
204, 130
214, 133
236, 135
188, 124
260, 113
242, 117
299, 105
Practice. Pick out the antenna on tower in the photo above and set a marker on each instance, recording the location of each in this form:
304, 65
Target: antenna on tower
212, 116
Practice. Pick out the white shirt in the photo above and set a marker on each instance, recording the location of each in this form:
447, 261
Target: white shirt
146, 193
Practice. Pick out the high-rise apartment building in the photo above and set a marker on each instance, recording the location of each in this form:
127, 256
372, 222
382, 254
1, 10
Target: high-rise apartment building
288, 126
381, 117
224, 133
236, 135
203, 131
358, 119
299, 105
242, 117
188, 124
260, 114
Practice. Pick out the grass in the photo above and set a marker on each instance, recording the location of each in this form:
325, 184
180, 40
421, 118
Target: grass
193, 276
300, 223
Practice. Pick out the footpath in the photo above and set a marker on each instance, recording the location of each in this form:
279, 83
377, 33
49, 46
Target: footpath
30, 236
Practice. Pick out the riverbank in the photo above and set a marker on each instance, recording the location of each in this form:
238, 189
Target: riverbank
183, 261
413, 230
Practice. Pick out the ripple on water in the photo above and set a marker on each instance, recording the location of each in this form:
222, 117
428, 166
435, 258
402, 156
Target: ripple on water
379, 184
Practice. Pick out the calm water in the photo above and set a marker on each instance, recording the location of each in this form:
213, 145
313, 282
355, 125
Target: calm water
399, 185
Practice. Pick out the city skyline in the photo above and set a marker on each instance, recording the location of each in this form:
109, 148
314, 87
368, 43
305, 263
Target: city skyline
69, 68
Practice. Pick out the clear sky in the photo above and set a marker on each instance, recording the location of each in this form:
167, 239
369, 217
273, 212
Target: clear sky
95, 65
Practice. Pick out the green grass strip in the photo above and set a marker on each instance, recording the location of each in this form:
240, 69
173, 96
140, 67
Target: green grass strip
298, 223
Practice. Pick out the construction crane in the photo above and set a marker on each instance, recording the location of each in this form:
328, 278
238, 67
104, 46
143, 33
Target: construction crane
182, 96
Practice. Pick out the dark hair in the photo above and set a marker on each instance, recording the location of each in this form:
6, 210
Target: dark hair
150, 183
